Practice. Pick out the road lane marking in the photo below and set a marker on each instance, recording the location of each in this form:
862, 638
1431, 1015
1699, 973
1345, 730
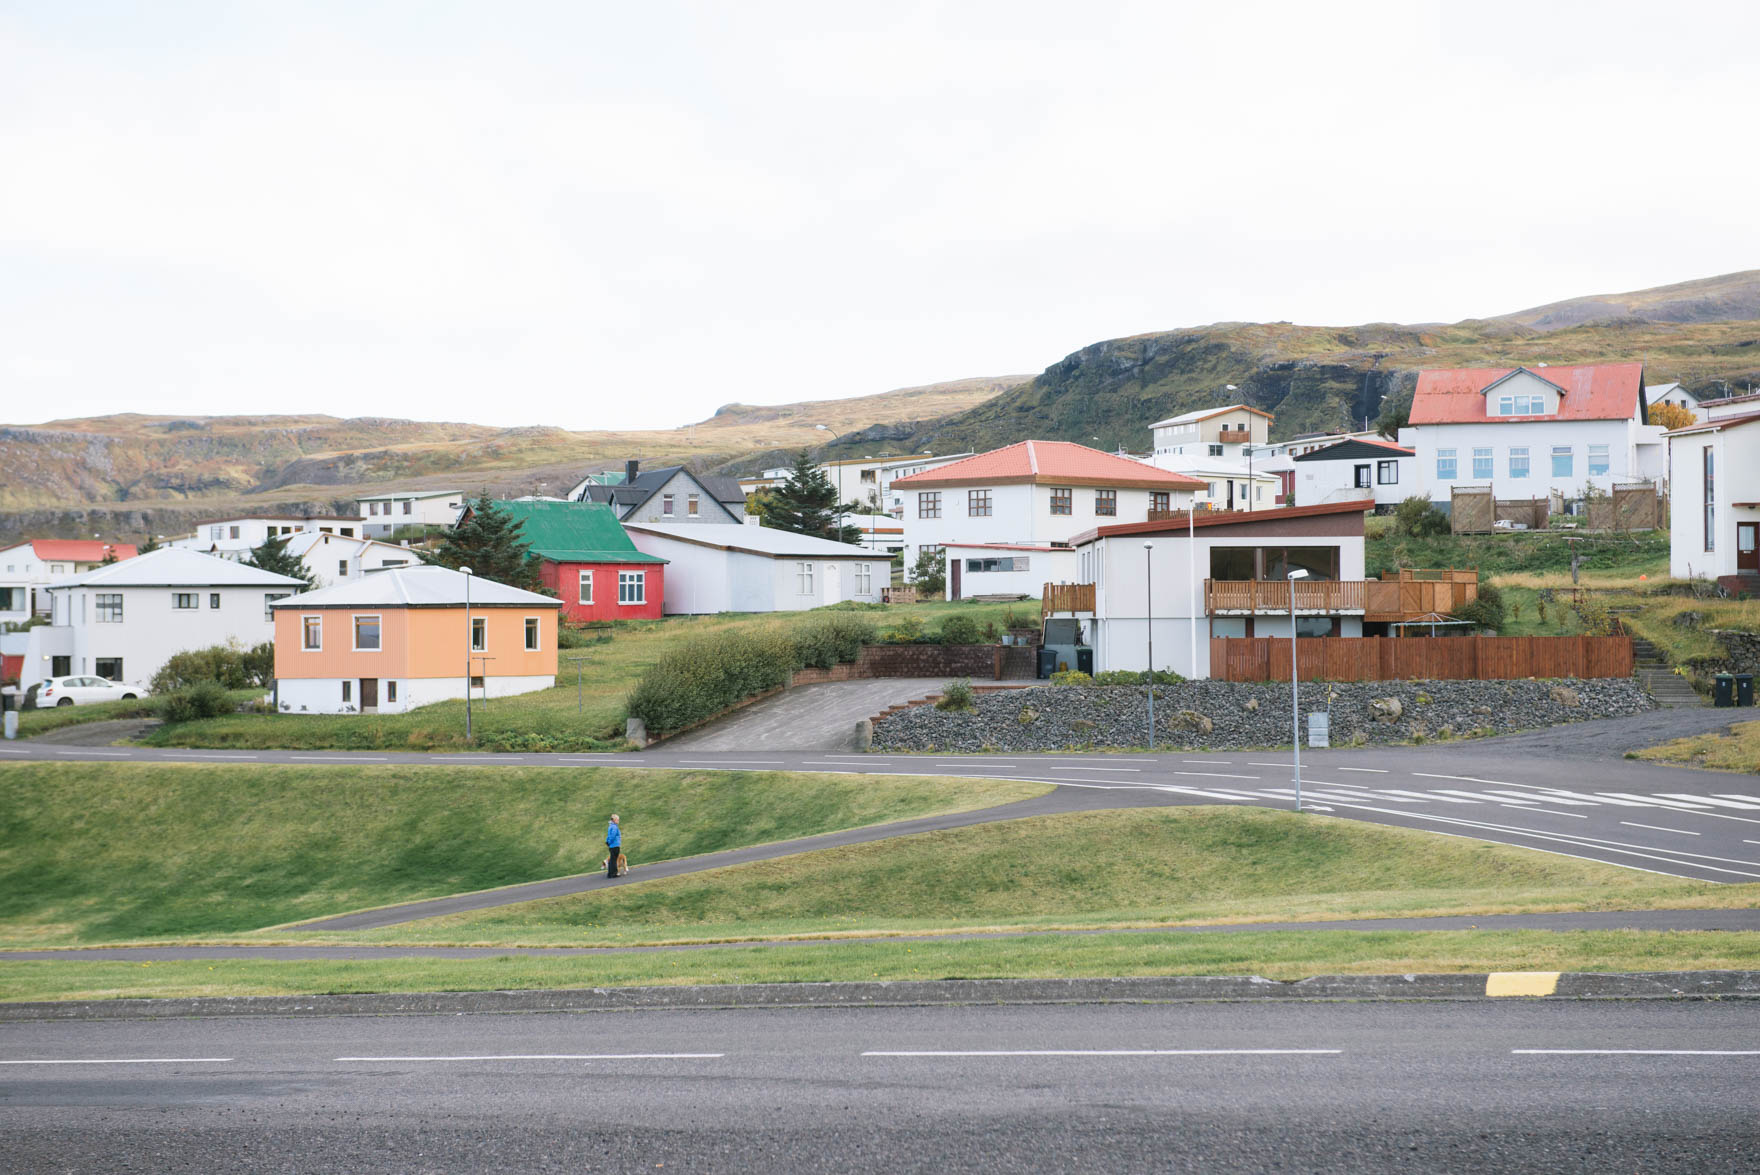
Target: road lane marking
731, 762
1466, 779
1214, 775
1211, 762
1194, 791
1533, 797
1547, 812
554, 1057
1103, 1053
10, 751
1635, 1052
1375, 770
334, 759
212, 756
1472, 795
1577, 795
1131, 769
127, 1061
1252, 764
1658, 828
1427, 795
1722, 803
1695, 809
107, 754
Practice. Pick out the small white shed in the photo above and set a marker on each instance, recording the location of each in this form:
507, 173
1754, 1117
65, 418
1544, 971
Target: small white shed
716, 567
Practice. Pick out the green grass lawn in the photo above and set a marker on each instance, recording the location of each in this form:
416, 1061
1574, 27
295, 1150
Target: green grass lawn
1132, 867
1619, 555
585, 710
105, 852
1283, 955
1738, 750
39, 722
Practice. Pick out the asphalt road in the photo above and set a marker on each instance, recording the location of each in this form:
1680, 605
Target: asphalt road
1555, 1086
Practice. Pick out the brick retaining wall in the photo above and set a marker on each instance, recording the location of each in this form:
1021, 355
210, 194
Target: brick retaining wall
978, 662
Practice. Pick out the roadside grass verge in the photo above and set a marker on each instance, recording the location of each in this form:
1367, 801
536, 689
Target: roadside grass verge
39, 722
106, 852
584, 711
1131, 867
1739, 750
1275, 955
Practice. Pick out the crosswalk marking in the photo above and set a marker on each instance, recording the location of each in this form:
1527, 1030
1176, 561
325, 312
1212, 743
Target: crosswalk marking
1721, 803
1654, 802
1425, 795
1530, 796
1730, 795
1473, 795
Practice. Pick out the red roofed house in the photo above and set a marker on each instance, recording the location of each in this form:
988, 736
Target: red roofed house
1526, 432
29, 567
1031, 495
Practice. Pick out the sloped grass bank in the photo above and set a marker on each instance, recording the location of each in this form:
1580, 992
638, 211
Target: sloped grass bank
1739, 750
1129, 867
95, 853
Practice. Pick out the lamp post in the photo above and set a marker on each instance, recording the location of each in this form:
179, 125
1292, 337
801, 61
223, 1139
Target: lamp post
467, 653
835, 437
1295, 682
1192, 577
1149, 613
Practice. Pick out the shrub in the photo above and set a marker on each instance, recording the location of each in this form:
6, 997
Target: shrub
1136, 677
1418, 518
824, 641
572, 636
228, 666
1071, 677
956, 695
1486, 610
698, 679
929, 572
204, 699
906, 630
959, 630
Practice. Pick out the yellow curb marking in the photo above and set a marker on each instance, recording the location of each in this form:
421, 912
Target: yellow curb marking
1507, 983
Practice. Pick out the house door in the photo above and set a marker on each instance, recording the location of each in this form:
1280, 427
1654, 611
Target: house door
369, 694
833, 583
1231, 494
1748, 546
953, 566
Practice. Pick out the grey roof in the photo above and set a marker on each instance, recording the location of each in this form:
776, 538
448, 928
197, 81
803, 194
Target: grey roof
756, 540
630, 495
418, 587
178, 567
727, 490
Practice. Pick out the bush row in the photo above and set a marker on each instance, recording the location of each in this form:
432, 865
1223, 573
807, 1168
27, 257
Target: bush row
228, 666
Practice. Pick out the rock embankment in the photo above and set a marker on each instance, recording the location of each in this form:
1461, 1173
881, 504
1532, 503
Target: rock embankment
1224, 715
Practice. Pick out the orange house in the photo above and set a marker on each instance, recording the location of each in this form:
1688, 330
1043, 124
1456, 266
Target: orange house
408, 636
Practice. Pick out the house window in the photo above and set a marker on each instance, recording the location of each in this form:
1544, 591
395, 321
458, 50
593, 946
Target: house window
1710, 460
479, 634
342, 568
1361, 480
690, 505
929, 505
531, 634
1216, 450
803, 575
1106, 503
1518, 461
1063, 501
632, 587
1521, 406
366, 633
347, 692
586, 594
1160, 500
269, 599
1387, 472
1598, 460
186, 601
11, 599
1445, 465
1482, 464
391, 691
1561, 461
978, 503
864, 579
213, 599
1014, 563
311, 633
109, 668
1211, 489
109, 610
232, 532
666, 505
215, 533
406, 507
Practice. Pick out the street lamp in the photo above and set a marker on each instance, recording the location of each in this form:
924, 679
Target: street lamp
835, 437
467, 653
1192, 577
1295, 681
1149, 613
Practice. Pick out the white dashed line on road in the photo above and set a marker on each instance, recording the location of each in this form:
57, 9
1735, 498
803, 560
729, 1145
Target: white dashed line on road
333, 759
1464, 779
1658, 828
1137, 770
1215, 775
553, 1057
1635, 1052
1103, 1053
1375, 770
105, 754
1210, 762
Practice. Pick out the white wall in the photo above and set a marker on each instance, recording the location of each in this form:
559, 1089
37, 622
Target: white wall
324, 695
701, 580
1020, 514
1737, 472
1335, 481
1044, 565
1620, 437
326, 559
409, 510
151, 629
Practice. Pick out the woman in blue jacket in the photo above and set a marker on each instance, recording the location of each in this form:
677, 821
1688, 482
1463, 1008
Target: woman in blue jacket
613, 846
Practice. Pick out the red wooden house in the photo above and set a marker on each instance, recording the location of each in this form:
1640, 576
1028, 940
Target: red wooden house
589, 562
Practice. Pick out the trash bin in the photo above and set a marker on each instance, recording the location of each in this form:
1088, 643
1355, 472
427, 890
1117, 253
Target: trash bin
1047, 661
1723, 691
1085, 660
1744, 689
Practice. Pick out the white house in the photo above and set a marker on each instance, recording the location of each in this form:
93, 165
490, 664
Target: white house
1005, 569
1671, 393
881, 533
1214, 575
666, 494
1210, 432
733, 568
1527, 433
386, 513
1714, 501
1353, 469
236, 538
892, 500
333, 558
1034, 493
124, 620
28, 568
1229, 483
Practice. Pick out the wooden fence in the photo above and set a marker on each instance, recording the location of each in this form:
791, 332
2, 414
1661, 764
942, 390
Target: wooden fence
1067, 597
1463, 658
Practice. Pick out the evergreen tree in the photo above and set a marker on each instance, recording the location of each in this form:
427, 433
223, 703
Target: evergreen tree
109, 557
807, 504
273, 556
152, 544
491, 542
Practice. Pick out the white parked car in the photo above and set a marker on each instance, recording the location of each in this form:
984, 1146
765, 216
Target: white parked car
77, 691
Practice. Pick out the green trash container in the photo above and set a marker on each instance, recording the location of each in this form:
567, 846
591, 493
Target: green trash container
1723, 691
1744, 689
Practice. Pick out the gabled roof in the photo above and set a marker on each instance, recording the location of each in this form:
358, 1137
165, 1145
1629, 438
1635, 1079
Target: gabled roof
629, 496
177, 567
753, 540
1178, 524
1717, 425
575, 532
418, 587
410, 494
298, 545
1590, 391
1353, 449
1656, 393
1048, 463
1207, 413
79, 550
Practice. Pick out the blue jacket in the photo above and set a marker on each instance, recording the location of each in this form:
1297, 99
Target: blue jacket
613, 836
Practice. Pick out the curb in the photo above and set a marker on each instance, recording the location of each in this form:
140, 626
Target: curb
1158, 989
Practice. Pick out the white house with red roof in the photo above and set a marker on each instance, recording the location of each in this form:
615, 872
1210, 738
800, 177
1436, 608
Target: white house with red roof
28, 568
1352, 469
1714, 498
1527, 432
1033, 494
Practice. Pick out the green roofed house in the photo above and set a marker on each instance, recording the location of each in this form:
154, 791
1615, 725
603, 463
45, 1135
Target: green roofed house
589, 561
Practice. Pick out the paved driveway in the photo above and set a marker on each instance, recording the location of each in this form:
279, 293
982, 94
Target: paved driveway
806, 718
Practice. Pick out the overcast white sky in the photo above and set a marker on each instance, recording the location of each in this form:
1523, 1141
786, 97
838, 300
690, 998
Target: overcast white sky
627, 214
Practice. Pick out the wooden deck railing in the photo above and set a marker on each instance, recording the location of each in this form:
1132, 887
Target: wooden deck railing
1067, 597
1272, 595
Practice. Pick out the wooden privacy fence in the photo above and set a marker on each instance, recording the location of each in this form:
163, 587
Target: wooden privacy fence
1067, 597
1458, 658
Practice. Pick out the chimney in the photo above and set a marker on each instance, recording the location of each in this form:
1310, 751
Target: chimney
630, 468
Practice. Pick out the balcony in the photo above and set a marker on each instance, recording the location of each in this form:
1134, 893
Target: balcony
1234, 436
1067, 597
1411, 595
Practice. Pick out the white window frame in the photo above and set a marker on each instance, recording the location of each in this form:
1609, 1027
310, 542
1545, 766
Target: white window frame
666, 501
1518, 452
632, 588
305, 631
803, 579
585, 592
479, 624
354, 628
99, 608
1447, 465
1569, 453
691, 505
1606, 460
1387, 472
1483, 458
864, 579
534, 634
